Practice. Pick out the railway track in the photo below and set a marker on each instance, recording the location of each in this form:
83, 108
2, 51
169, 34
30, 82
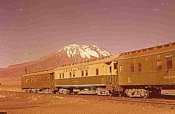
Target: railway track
163, 101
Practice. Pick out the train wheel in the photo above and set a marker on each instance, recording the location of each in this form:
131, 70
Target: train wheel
36, 91
102, 91
144, 93
137, 93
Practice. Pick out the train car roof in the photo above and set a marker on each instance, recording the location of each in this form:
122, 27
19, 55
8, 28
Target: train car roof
90, 62
87, 62
148, 51
40, 72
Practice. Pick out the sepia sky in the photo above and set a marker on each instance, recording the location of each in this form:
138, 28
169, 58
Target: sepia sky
30, 29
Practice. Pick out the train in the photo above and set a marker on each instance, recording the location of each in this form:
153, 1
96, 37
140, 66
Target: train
139, 73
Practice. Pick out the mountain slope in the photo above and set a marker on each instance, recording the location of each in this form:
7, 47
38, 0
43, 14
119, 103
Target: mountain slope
66, 55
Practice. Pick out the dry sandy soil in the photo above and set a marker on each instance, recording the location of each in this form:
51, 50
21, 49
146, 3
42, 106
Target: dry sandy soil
10, 88
31, 103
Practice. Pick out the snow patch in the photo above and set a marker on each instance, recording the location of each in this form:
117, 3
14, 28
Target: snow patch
85, 51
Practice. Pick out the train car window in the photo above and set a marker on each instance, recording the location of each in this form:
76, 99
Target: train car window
82, 73
115, 65
121, 68
52, 75
60, 75
63, 75
97, 71
86, 72
73, 73
139, 65
169, 63
70, 74
110, 69
45, 79
27, 80
33, 79
132, 67
159, 65
48, 79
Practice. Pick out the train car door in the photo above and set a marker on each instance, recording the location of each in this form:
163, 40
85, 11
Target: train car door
169, 69
52, 81
115, 73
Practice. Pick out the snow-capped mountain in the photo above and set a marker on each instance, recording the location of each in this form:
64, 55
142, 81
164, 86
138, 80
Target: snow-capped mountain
68, 54
85, 51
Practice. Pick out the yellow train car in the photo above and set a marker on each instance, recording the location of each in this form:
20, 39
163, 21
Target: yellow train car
148, 70
89, 75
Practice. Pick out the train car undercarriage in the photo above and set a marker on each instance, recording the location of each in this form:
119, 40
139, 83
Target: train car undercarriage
126, 91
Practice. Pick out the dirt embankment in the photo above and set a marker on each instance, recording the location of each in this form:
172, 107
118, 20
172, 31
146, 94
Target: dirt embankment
30, 103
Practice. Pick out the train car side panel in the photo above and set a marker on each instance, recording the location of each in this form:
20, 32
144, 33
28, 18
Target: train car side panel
156, 68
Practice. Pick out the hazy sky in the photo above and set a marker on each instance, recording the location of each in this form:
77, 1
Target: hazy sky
30, 29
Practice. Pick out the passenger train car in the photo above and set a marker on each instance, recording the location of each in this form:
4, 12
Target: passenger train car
89, 75
140, 73
147, 71
39, 81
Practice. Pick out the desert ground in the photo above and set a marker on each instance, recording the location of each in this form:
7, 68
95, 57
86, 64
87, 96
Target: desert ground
31, 103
